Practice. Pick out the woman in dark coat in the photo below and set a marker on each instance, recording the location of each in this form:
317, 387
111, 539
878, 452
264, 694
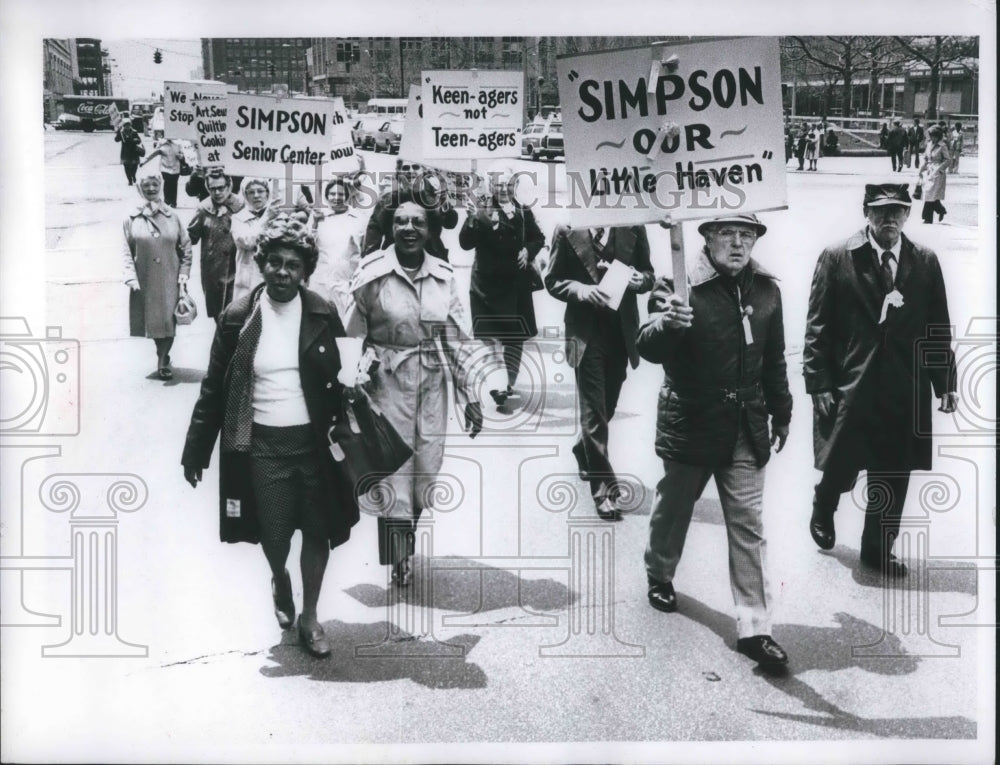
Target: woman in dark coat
132, 150
211, 225
507, 240
272, 391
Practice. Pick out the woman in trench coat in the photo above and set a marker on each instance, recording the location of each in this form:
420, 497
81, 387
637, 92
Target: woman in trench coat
934, 172
408, 309
157, 261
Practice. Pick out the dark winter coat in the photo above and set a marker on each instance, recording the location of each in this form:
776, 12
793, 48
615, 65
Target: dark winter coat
713, 380
213, 228
319, 363
880, 374
500, 290
132, 149
574, 266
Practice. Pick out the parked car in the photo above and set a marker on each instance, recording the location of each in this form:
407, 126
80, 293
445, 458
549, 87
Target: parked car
542, 140
363, 131
389, 134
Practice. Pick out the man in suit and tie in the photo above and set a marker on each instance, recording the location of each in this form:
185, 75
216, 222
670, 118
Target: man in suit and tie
600, 341
878, 339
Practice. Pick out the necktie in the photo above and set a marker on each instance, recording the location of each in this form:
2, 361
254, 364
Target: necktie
886, 272
598, 234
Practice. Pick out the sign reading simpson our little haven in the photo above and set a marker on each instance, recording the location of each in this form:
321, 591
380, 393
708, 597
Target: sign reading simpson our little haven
267, 135
693, 129
472, 114
182, 102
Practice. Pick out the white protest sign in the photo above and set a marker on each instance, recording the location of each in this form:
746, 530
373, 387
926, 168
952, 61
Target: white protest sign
179, 101
115, 116
706, 141
266, 136
472, 114
411, 147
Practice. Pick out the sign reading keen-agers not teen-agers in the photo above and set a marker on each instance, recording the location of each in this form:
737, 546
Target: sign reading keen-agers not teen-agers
690, 129
472, 114
182, 102
275, 137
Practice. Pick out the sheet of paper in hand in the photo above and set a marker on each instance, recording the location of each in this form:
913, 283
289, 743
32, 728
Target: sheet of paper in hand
704, 139
615, 282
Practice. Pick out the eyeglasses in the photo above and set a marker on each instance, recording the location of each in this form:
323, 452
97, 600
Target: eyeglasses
732, 233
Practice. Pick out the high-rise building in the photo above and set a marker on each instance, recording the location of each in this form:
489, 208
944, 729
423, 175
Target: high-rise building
88, 74
256, 64
57, 74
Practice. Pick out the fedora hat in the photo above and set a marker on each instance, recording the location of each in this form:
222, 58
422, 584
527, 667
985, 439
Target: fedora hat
745, 220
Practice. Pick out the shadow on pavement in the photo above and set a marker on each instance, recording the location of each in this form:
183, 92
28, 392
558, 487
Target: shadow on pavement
476, 588
181, 375
829, 649
943, 575
435, 665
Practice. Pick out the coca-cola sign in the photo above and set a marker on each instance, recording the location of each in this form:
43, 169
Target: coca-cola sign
95, 109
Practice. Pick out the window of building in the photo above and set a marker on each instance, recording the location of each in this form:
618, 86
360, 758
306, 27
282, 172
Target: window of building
411, 43
348, 53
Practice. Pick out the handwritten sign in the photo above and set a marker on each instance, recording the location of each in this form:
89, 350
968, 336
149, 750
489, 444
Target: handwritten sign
270, 136
411, 145
471, 114
180, 99
705, 139
115, 116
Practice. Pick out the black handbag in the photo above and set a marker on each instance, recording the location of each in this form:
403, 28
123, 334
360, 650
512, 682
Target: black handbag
185, 167
364, 444
918, 192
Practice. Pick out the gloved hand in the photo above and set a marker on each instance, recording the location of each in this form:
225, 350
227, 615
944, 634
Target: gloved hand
473, 419
779, 434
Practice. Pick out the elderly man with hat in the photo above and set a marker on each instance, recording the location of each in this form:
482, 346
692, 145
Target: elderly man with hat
723, 357
878, 339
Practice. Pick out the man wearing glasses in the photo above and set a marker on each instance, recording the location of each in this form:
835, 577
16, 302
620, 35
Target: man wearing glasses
723, 357
878, 339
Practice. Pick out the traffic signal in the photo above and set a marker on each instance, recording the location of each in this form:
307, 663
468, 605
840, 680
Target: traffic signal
157, 57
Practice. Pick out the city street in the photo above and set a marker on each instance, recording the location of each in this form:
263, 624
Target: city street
528, 620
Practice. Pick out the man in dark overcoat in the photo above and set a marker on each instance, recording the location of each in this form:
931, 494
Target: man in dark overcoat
600, 341
878, 338
895, 144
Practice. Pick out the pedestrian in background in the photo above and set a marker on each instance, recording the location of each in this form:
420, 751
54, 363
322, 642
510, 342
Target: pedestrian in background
723, 357
506, 239
883, 135
339, 236
812, 146
408, 309
800, 145
916, 142
934, 175
955, 145
157, 261
211, 225
272, 391
132, 150
170, 153
246, 227
878, 340
600, 339
896, 145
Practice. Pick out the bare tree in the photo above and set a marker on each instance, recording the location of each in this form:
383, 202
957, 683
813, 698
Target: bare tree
840, 57
937, 53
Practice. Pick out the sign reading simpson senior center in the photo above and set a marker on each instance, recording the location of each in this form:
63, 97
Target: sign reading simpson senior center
693, 129
268, 135
185, 107
472, 114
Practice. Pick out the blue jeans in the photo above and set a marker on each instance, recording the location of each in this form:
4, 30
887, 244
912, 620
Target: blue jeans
741, 489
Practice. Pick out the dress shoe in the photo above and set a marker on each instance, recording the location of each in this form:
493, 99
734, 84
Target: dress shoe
823, 531
402, 574
499, 397
662, 596
763, 650
314, 641
284, 604
607, 511
887, 564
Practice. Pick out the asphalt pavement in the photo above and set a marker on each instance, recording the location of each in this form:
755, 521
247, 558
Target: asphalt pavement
528, 621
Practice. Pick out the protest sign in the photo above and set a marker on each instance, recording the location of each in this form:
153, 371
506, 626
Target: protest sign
703, 137
411, 148
180, 99
115, 116
471, 114
270, 136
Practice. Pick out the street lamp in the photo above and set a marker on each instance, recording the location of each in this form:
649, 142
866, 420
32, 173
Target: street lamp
538, 96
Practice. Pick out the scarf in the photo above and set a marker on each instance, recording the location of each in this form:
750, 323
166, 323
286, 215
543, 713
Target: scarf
238, 421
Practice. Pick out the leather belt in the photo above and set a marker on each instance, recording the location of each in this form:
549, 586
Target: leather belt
729, 395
